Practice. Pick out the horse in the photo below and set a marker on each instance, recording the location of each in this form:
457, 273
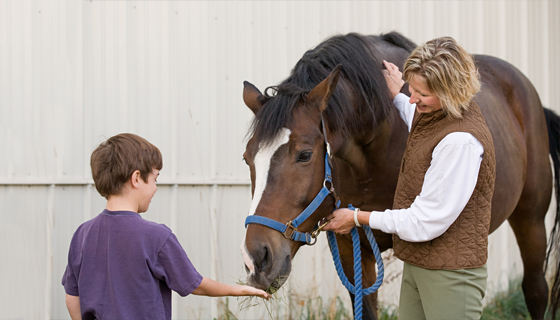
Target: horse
336, 97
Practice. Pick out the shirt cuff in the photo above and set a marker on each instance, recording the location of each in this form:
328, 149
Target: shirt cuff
376, 220
72, 291
196, 283
399, 98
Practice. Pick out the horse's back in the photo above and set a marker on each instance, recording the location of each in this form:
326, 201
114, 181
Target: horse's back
515, 117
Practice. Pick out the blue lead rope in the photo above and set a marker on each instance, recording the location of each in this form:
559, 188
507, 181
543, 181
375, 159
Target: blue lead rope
357, 289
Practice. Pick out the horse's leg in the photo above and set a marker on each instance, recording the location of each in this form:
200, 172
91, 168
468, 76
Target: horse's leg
553, 124
527, 222
369, 303
528, 218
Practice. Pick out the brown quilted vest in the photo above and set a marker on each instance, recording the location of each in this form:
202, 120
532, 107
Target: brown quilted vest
465, 243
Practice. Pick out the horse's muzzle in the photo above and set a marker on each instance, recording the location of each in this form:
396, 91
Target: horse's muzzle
267, 269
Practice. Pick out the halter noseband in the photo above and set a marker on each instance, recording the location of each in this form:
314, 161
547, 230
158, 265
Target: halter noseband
289, 229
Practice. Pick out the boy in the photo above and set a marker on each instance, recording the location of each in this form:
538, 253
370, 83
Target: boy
121, 266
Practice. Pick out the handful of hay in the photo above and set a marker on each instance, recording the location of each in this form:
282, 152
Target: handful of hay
277, 296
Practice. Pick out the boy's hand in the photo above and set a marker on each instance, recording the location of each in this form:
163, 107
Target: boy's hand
393, 77
251, 291
212, 288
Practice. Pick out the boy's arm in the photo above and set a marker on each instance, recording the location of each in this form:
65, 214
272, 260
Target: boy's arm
73, 305
209, 287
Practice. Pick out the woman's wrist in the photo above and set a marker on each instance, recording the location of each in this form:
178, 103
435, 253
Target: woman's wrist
360, 218
363, 217
356, 222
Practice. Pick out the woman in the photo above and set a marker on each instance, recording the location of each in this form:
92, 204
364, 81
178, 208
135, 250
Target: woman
441, 211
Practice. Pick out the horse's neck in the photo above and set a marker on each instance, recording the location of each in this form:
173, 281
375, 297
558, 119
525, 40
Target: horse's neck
366, 173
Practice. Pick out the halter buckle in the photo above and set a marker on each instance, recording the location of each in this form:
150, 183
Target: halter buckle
289, 227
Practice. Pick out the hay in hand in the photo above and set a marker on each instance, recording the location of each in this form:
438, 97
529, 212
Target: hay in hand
277, 296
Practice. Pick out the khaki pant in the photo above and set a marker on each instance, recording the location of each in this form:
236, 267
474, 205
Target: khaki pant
442, 294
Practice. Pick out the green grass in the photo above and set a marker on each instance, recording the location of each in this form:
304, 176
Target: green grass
508, 304
316, 309
388, 313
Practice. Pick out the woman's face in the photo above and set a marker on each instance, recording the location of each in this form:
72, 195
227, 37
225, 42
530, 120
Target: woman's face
426, 102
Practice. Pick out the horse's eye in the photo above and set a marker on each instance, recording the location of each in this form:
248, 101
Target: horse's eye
305, 156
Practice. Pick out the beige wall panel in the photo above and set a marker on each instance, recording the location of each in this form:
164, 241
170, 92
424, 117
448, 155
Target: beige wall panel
26, 251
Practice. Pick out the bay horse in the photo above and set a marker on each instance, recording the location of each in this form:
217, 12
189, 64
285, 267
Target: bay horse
339, 87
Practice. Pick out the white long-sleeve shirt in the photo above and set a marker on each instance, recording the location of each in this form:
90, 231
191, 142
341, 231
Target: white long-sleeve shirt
448, 186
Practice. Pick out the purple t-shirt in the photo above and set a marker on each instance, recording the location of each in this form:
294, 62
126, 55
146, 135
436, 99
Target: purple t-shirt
124, 267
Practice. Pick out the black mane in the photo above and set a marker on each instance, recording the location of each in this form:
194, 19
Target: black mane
361, 68
398, 40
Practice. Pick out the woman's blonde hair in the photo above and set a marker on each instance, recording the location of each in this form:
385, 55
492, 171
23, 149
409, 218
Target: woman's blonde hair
447, 70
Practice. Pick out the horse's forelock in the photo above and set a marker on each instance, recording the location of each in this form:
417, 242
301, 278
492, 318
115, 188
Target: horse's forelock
275, 115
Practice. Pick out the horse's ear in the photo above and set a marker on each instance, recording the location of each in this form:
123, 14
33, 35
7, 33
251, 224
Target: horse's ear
252, 97
324, 90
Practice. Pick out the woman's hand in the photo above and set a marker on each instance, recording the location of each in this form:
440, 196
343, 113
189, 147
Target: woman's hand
340, 221
393, 77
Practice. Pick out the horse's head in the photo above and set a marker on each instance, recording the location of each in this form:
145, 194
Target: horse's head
287, 165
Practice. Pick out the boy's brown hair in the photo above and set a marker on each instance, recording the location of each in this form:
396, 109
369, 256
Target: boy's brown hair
114, 161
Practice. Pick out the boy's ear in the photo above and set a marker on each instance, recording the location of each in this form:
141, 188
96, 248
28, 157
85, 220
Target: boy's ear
135, 178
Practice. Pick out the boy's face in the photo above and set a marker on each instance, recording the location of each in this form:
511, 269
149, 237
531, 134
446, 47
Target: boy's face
148, 189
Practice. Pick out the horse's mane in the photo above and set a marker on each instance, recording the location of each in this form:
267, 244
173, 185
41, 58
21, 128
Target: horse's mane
361, 68
398, 40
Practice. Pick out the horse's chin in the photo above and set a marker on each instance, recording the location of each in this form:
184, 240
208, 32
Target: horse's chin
272, 281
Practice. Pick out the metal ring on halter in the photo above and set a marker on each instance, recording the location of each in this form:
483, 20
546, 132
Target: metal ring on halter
331, 190
311, 242
328, 179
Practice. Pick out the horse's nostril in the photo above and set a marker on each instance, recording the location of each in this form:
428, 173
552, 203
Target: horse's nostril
264, 261
261, 259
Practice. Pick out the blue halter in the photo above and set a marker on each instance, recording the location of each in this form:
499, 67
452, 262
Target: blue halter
289, 230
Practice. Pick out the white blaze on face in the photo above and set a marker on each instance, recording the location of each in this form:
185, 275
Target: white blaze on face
262, 167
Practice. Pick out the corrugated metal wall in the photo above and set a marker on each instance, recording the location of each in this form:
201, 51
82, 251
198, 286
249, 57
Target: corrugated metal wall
76, 72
